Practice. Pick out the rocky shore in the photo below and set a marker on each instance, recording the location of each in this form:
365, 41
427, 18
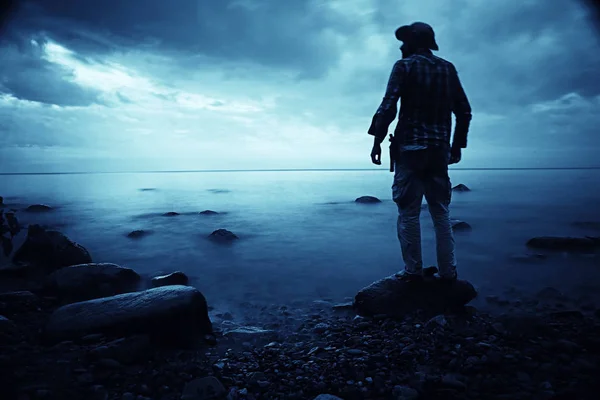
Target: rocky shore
74, 329
303, 353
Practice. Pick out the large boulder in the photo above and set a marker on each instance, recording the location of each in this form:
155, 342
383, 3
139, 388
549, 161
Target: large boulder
395, 297
174, 314
91, 281
559, 243
50, 249
461, 188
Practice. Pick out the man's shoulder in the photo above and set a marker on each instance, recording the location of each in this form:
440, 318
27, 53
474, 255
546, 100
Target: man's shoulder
444, 61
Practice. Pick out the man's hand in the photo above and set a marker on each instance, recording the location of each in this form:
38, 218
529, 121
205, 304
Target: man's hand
455, 155
376, 154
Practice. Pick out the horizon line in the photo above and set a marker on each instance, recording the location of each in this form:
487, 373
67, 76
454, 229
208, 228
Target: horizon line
286, 170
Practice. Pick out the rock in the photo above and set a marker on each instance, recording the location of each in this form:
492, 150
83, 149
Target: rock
367, 200
460, 226
405, 393
1, 201
16, 302
461, 188
207, 388
171, 313
38, 208
208, 212
438, 320
175, 278
9, 332
573, 244
327, 397
91, 281
124, 350
50, 250
394, 297
171, 214
223, 235
140, 233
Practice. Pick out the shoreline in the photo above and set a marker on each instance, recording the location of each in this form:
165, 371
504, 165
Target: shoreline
321, 350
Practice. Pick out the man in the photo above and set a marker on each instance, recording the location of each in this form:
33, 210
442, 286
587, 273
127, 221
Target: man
421, 145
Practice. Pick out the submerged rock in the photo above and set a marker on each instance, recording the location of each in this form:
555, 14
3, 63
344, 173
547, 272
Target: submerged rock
175, 278
367, 200
461, 188
395, 297
223, 235
208, 212
50, 249
171, 214
139, 233
558, 243
38, 208
460, 226
91, 281
177, 314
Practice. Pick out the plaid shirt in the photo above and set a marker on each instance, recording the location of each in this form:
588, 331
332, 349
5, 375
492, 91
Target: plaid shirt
431, 91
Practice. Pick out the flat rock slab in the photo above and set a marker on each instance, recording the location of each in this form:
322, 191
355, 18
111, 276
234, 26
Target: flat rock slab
92, 281
171, 313
558, 243
395, 298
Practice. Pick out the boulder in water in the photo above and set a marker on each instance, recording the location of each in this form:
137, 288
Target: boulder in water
175, 314
461, 188
367, 200
91, 281
208, 212
223, 235
460, 226
558, 243
171, 214
137, 234
175, 278
38, 208
395, 297
50, 249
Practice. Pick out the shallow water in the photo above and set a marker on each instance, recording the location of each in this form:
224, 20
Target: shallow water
301, 235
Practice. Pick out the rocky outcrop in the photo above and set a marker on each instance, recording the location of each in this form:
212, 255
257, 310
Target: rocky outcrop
175, 278
18, 302
570, 244
38, 208
461, 188
170, 313
91, 281
367, 200
395, 297
50, 249
223, 235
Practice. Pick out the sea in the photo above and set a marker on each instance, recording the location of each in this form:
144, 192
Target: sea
303, 238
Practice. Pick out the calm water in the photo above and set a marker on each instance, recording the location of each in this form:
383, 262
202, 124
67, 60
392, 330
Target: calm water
303, 238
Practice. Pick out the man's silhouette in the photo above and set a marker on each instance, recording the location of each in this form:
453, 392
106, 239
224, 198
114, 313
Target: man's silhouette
431, 92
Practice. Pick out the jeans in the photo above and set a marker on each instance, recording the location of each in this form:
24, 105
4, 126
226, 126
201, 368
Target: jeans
421, 173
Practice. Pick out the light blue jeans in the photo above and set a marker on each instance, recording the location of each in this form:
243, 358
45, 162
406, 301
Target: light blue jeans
421, 173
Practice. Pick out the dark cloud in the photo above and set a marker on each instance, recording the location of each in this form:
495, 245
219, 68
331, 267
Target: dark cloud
26, 75
287, 34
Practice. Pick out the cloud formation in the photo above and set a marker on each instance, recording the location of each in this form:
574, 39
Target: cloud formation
269, 84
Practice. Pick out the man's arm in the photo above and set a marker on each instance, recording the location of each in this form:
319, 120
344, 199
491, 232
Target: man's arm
386, 113
462, 111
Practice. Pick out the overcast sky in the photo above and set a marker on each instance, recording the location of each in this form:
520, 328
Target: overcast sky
217, 84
